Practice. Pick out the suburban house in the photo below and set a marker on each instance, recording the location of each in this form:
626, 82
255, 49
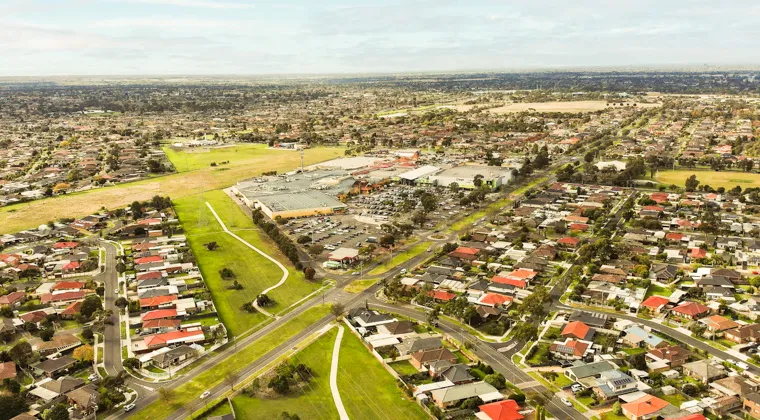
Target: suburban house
673, 356
646, 407
446, 397
691, 310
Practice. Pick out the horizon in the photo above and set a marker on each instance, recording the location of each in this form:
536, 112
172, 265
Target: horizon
116, 38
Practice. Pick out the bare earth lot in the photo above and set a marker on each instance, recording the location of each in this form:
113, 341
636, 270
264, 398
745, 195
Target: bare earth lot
31, 215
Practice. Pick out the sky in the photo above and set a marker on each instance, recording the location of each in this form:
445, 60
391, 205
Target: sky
217, 37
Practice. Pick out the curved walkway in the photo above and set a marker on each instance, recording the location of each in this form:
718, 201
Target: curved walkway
334, 376
260, 252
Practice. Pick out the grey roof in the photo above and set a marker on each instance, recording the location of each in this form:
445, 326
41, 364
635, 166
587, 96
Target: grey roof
173, 353
584, 370
421, 343
705, 369
300, 201
369, 316
461, 392
63, 384
154, 293
52, 365
457, 373
590, 318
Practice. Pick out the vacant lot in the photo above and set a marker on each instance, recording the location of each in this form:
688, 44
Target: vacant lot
367, 389
191, 159
30, 215
714, 179
314, 402
567, 106
252, 271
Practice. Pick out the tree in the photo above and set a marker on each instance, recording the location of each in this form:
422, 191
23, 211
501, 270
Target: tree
57, 412
638, 361
337, 309
121, 267
12, 385
12, 405
691, 183
419, 218
84, 353
433, 315
136, 209
121, 302
496, 380
87, 333
617, 409
21, 353
287, 416
263, 300
303, 239
316, 249
477, 181
166, 394
132, 363
525, 331
46, 334
226, 273
231, 379
309, 273
211, 246
90, 305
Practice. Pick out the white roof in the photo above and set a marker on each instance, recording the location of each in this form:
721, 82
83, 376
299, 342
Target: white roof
419, 172
343, 253
433, 386
383, 341
44, 393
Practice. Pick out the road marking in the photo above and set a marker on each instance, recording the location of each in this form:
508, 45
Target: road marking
508, 348
529, 384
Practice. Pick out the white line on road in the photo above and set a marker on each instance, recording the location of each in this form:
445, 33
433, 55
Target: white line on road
260, 252
334, 377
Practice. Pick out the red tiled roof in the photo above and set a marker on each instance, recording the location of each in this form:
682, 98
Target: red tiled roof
512, 282
522, 273
494, 299
158, 323
11, 298
175, 336
441, 295
569, 240
159, 314
157, 300
68, 285
65, 245
146, 260
73, 265
64, 297
72, 309
655, 302
7, 370
150, 275
698, 253
34, 316
674, 236
578, 348
645, 406
577, 329
691, 308
697, 416
502, 410
467, 250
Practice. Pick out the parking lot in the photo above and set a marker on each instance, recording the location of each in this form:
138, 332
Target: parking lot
334, 231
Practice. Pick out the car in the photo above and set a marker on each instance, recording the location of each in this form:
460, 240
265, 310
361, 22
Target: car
92, 377
403, 271
430, 248
116, 291
566, 402
129, 407
742, 365
576, 388
205, 394
732, 361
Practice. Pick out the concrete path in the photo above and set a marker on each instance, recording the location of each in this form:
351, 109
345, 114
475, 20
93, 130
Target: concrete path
334, 377
260, 252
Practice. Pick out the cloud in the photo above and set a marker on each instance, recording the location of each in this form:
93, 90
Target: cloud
210, 4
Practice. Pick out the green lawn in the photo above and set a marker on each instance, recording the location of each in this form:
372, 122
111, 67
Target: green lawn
220, 411
634, 351
316, 402
189, 392
358, 286
541, 354
609, 415
403, 367
658, 291
676, 399
400, 258
191, 159
367, 389
725, 179
254, 272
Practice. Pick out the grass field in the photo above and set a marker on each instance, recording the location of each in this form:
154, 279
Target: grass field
400, 258
714, 179
254, 272
563, 106
192, 159
367, 389
188, 393
205, 178
358, 286
315, 403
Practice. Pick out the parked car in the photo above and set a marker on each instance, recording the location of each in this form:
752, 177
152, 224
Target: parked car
129, 407
566, 402
576, 388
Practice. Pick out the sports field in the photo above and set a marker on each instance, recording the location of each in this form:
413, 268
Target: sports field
714, 179
205, 178
254, 272
191, 159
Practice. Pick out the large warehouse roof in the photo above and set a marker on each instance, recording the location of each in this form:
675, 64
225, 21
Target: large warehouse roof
299, 201
420, 172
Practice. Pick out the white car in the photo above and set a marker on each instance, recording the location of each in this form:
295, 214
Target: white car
566, 402
732, 361
576, 388
742, 365
205, 394
129, 407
